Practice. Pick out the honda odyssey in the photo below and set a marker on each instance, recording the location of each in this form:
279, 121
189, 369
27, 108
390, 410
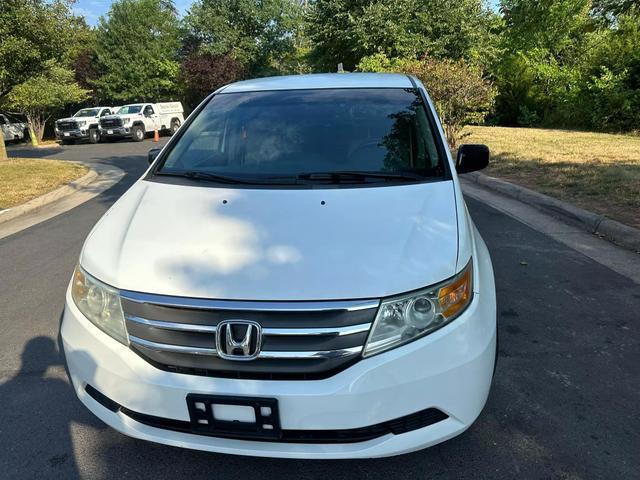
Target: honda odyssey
295, 275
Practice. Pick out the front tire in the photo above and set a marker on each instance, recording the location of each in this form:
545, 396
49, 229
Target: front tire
175, 125
137, 133
94, 135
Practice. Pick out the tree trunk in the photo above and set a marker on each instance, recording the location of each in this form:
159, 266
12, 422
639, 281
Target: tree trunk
36, 129
3, 149
33, 135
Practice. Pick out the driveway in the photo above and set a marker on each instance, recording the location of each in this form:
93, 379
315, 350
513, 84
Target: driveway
564, 404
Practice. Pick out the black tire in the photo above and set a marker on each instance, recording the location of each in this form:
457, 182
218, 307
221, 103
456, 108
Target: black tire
26, 137
175, 125
137, 133
94, 135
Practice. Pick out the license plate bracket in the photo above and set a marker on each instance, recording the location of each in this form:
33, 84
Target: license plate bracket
203, 421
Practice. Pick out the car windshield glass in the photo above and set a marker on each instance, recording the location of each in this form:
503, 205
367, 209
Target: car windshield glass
87, 112
129, 109
329, 136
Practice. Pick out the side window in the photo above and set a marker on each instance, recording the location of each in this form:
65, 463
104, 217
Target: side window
148, 110
3, 120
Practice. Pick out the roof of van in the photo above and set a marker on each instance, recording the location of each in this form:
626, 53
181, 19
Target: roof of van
321, 80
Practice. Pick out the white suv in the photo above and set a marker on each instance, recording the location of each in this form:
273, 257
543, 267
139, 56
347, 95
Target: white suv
296, 275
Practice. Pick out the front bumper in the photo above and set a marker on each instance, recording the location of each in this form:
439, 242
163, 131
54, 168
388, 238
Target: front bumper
116, 132
72, 134
450, 370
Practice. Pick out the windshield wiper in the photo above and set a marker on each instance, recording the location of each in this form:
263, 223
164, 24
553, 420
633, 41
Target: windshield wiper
355, 176
213, 177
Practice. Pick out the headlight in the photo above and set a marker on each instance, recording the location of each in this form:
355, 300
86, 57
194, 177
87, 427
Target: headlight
100, 304
408, 317
125, 121
82, 123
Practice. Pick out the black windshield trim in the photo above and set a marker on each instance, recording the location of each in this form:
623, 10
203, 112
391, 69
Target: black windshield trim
301, 185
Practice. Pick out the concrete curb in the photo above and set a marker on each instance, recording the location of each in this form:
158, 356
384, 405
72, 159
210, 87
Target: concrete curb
47, 198
100, 178
619, 233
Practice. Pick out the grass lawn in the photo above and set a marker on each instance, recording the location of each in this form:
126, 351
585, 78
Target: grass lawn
22, 179
596, 171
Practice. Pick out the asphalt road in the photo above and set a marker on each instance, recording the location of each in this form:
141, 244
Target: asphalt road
565, 401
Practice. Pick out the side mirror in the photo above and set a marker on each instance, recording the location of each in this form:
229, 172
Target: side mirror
472, 157
153, 154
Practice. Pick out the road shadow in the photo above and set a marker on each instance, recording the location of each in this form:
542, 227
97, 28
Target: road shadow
39, 411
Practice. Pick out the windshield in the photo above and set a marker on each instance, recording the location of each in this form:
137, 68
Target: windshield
87, 112
129, 109
296, 132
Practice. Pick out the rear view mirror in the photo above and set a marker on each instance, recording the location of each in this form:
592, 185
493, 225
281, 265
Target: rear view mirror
153, 154
472, 157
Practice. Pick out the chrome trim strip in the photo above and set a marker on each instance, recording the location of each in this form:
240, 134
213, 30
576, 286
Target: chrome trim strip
164, 347
345, 352
190, 327
182, 327
261, 306
333, 331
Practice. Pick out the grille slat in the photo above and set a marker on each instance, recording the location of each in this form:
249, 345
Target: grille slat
110, 122
299, 339
189, 327
305, 354
67, 125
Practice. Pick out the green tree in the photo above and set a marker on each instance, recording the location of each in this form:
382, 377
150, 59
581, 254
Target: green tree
257, 33
136, 51
32, 32
348, 30
610, 98
458, 89
545, 44
40, 95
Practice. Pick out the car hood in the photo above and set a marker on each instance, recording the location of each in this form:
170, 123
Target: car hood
276, 244
77, 119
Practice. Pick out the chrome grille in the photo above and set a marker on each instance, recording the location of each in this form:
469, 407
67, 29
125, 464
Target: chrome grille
299, 339
110, 122
67, 125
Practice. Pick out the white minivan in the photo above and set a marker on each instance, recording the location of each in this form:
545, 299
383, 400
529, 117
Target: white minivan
296, 275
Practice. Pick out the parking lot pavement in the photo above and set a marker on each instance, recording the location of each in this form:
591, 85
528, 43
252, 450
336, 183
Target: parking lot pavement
564, 403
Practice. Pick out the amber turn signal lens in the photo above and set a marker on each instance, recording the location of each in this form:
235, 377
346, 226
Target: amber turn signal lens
456, 296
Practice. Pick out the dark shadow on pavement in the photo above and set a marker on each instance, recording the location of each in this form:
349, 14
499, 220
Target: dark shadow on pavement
38, 410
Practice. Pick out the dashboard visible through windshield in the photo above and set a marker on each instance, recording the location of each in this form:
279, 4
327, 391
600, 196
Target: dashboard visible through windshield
367, 135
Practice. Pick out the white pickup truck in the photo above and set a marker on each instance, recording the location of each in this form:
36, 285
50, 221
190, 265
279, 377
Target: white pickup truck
13, 131
84, 125
135, 121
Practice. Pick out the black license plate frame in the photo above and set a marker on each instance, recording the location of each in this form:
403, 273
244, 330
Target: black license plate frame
204, 421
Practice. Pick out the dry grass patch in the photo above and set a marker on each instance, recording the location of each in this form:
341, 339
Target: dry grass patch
22, 179
597, 171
